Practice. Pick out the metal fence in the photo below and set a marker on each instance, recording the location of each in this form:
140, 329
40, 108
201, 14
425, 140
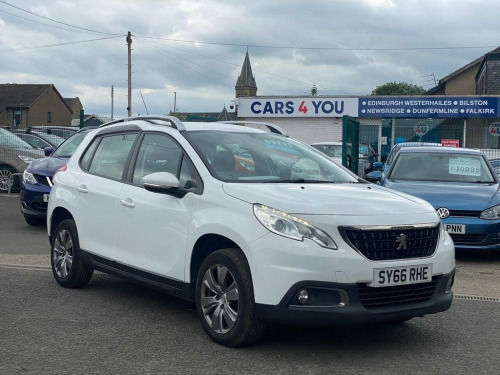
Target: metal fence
472, 133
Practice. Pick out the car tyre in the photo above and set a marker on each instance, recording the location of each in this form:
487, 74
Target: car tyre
68, 267
225, 300
34, 220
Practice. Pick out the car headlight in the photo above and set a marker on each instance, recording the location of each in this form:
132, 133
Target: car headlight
26, 159
29, 178
290, 226
491, 213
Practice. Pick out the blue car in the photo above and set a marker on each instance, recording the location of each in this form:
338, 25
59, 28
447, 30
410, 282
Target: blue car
37, 178
460, 184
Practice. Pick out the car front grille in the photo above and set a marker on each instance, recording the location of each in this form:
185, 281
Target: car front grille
375, 298
464, 213
392, 243
43, 180
468, 238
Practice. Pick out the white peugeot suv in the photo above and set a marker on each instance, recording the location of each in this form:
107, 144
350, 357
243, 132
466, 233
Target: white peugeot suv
252, 226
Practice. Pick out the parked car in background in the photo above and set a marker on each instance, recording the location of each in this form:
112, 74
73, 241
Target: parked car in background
37, 178
334, 151
38, 139
459, 183
61, 131
15, 156
287, 237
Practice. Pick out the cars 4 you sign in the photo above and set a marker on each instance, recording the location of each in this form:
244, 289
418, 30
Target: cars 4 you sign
298, 107
494, 129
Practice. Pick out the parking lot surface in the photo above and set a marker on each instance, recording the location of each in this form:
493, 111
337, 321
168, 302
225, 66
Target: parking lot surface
115, 327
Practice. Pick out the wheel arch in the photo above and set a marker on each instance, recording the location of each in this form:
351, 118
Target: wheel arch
203, 247
58, 215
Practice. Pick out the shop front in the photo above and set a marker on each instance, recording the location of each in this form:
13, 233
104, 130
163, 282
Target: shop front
466, 121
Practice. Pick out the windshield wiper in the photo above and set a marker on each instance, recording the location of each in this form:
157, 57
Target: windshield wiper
300, 181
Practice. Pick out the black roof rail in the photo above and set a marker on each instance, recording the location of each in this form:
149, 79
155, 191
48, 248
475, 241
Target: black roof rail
174, 121
272, 127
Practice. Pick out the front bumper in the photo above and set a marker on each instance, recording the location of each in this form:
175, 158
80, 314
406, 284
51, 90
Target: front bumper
32, 200
480, 234
360, 308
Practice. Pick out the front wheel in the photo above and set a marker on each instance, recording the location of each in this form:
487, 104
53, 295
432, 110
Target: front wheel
68, 267
225, 300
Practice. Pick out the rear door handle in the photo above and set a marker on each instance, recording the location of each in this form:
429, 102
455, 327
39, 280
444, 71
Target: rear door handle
82, 189
127, 202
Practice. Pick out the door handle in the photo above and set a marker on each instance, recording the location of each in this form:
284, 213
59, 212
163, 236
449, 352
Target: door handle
82, 189
127, 202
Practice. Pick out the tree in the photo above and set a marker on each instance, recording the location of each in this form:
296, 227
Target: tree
314, 90
398, 88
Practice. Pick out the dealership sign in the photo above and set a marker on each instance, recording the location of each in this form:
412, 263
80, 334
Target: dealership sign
371, 106
298, 107
428, 106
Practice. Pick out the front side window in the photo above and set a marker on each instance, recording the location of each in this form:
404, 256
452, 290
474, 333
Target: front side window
157, 153
264, 157
111, 155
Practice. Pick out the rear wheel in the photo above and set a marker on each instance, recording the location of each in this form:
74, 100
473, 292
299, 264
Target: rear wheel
225, 300
67, 264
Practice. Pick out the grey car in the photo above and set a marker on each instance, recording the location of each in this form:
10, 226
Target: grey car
15, 156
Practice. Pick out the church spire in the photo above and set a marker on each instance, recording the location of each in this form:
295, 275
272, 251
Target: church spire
246, 85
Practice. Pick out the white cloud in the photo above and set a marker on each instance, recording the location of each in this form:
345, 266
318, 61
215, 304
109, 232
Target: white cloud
196, 48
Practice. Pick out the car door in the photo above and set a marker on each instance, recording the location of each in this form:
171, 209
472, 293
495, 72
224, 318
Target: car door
153, 227
96, 193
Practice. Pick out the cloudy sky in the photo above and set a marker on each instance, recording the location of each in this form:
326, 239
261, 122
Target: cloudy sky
195, 48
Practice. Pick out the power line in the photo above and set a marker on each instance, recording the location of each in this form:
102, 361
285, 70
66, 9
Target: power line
316, 48
52, 20
58, 44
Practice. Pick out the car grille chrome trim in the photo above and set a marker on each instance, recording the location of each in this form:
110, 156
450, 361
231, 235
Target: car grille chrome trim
376, 298
391, 243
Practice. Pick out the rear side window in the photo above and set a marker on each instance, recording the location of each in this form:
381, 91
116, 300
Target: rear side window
110, 155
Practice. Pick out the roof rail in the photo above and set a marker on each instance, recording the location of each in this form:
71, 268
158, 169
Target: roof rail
174, 121
272, 127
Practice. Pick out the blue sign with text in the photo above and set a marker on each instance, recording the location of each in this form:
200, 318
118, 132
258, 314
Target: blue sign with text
428, 106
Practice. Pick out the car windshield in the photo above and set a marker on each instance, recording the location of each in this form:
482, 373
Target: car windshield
52, 138
68, 147
263, 157
7, 139
441, 166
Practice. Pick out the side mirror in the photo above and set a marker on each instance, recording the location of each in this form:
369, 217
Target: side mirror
48, 150
374, 177
163, 183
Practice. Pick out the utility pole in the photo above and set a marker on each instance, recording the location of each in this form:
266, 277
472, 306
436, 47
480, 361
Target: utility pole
129, 46
112, 101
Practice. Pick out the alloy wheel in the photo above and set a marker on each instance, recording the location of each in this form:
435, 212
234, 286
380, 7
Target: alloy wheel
220, 298
62, 253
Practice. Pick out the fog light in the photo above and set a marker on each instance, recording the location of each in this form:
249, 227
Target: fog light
303, 296
450, 283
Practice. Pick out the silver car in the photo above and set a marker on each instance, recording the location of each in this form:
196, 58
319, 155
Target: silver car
15, 156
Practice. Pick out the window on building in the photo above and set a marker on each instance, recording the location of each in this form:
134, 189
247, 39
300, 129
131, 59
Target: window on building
49, 117
17, 119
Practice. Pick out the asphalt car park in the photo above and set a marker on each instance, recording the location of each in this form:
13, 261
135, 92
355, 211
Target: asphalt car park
114, 326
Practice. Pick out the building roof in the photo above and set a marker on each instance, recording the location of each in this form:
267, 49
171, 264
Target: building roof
472, 64
13, 95
246, 78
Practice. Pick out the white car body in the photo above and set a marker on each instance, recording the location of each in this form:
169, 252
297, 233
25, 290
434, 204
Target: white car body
130, 230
